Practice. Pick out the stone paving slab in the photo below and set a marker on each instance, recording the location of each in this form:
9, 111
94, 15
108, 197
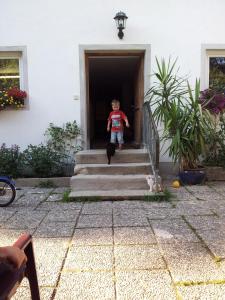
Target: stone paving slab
173, 231
209, 195
92, 236
133, 236
99, 208
219, 209
195, 208
49, 256
55, 229
26, 220
201, 223
5, 214
86, 286
9, 236
220, 190
139, 212
135, 285
199, 188
130, 219
217, 248
138, 258
162, 213
37, 190
54, 197
183, 196
62, 216
163, 204
212, 235
202, 292
191, 262
29, 200
59, 206
23, 293
80, 260
89, 221
130, 205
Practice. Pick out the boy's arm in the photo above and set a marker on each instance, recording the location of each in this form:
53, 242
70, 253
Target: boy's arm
109, 122
108, 125
125, 119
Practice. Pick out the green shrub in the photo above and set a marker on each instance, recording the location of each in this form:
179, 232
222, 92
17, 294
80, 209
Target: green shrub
215, 154
166, 195
64, 140
43, 161
66, 196
11, 161
54, 159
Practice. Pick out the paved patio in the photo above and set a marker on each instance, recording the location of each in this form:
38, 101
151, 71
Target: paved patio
125, 249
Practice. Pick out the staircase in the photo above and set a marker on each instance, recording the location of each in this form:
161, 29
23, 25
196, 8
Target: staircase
124, 178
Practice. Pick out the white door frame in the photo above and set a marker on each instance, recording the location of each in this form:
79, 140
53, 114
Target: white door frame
83, 49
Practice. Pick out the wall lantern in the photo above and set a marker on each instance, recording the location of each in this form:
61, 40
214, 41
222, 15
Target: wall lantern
120, 19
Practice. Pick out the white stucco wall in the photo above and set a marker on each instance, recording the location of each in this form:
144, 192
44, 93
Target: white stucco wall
52, 31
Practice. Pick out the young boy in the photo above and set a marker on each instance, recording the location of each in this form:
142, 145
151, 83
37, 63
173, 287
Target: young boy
116, 117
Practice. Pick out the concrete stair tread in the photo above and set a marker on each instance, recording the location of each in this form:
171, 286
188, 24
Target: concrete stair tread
99, 156
114, 168
110, 194
113, 165
107, 177
103, 151
124, 178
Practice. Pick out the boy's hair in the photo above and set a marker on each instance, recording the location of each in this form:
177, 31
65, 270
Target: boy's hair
114, 101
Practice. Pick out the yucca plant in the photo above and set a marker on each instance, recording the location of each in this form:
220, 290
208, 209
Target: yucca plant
187, 130
169, 88
179, 109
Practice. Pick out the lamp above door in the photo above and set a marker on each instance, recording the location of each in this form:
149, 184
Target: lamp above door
120, 19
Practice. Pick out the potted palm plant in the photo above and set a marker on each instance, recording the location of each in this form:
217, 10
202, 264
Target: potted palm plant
185, 123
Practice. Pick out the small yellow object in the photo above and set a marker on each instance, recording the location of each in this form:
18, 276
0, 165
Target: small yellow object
176, 184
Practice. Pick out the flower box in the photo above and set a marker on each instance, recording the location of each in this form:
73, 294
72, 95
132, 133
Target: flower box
12, 97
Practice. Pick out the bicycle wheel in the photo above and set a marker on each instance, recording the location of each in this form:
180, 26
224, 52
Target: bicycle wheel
7, 193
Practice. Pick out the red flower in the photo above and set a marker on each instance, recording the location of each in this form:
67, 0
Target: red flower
16, 93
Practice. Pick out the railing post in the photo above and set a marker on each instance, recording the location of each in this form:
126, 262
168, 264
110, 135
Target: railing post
151, 137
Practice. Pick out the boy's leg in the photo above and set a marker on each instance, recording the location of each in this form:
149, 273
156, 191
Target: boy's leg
113, 137
120, 139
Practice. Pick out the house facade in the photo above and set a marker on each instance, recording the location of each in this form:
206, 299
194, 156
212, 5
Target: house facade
69, 59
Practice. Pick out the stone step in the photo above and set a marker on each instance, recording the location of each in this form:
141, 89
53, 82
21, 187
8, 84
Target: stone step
108, 182
99, 156
114, 169
109, 195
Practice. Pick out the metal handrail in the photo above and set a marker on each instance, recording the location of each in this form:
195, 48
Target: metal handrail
151, 138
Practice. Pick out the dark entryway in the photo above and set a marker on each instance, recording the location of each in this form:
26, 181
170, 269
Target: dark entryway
114, 77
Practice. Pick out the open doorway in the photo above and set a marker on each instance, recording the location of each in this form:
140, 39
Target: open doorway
114, 76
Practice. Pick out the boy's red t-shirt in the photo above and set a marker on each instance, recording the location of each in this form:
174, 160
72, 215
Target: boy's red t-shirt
117, 118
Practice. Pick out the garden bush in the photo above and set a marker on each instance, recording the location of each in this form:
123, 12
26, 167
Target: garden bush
215, 155
43, 161
56, 158
11, 161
